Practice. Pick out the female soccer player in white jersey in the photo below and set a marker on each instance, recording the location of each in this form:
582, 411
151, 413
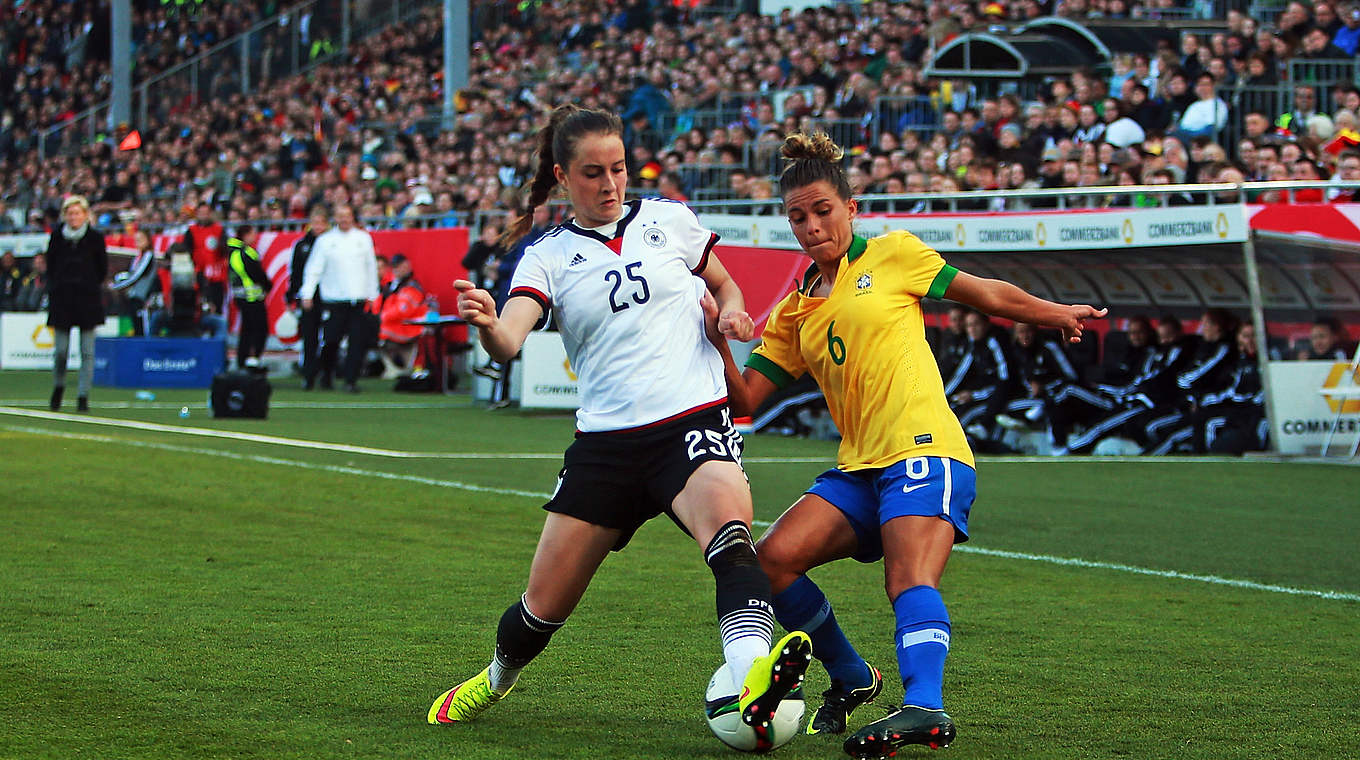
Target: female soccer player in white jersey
654, 433
904, 479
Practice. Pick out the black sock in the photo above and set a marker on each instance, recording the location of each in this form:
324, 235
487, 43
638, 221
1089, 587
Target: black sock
521, 635
745, 615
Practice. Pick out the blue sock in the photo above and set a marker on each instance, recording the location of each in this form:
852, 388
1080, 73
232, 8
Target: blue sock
922, 645
803, 607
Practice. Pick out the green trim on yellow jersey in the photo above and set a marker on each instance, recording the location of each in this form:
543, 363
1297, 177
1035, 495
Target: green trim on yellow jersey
856, 249
773, 372
940, 284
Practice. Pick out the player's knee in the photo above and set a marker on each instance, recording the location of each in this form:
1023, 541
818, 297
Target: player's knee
781, 560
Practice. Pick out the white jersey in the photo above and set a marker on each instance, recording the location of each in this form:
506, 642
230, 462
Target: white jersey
627, 306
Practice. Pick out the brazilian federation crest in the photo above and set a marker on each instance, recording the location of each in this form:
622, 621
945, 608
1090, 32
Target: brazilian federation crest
864, 282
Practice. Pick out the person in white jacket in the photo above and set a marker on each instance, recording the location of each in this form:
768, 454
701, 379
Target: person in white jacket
343, 273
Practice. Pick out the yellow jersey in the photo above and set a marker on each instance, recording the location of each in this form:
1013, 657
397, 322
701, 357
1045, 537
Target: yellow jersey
865, 345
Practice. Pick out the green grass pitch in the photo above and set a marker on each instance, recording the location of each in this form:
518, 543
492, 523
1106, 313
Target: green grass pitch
173, 595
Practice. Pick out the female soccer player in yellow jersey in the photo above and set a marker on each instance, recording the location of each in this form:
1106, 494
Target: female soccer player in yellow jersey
904, 479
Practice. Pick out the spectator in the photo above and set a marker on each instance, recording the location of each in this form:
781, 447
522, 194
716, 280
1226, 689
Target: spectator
11, 277
1317, 45
1120, 130
309, 320
205, 238
138, 283
32, 294
341, 271
484, 256
7, 223
1326, 341
1347, 38
1147, 401
1306, 170
1230, 420
982, 384
1207, 372
402, 300
1305, 107
1347, 170
1207, 115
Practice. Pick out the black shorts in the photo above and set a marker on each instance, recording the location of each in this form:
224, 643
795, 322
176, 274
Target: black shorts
621, 480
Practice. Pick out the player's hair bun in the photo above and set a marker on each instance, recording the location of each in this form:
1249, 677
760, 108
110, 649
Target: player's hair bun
818, 146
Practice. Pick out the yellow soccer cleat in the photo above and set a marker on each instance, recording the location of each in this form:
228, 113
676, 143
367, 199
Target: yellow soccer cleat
772, 677
465, 701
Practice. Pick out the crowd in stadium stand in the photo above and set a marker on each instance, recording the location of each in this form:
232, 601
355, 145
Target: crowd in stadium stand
366, 128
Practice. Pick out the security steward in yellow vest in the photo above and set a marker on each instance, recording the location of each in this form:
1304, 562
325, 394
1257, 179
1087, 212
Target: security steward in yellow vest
249, 287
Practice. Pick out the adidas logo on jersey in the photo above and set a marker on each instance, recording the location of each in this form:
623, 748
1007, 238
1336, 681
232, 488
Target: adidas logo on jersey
577, 259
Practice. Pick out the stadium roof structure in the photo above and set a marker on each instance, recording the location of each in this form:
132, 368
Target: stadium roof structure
1029, 54
1070, 31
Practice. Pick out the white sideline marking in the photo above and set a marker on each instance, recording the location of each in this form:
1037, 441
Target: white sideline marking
1215, 579
218, 453
345, 470
231, 435
1072, 562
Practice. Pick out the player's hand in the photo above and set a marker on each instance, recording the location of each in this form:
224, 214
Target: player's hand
736, 325
475, 306
1075, 321
306, 304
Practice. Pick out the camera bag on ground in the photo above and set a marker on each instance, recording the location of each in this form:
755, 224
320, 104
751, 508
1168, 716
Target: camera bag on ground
240, 394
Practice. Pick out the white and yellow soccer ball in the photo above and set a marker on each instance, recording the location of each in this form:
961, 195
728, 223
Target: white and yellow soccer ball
724, 716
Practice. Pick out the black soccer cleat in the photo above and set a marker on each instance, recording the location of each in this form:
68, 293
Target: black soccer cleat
838, 702
907, 725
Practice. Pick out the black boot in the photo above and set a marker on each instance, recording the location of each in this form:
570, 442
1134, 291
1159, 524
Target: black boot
55, 403
82, 404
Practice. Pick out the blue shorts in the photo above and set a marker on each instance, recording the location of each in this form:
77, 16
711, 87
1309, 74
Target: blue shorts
927, 486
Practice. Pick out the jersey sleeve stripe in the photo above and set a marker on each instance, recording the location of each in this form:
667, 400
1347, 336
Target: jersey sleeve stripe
703, 260
535, 294
775, 373
940, 284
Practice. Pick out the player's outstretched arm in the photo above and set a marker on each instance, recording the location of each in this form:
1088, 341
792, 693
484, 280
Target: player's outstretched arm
1002, 299
733, 321
745, 390
501, 335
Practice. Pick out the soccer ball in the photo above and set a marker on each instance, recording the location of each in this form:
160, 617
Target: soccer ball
724, 716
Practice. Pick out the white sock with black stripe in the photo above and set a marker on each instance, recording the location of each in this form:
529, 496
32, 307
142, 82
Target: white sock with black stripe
745, 615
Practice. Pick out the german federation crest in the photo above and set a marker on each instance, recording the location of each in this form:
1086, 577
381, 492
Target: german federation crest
654, 237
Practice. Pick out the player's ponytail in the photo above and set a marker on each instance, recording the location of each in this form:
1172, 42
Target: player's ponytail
812, 158
557, 145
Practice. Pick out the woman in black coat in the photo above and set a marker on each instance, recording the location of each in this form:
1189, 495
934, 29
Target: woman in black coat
77, 265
